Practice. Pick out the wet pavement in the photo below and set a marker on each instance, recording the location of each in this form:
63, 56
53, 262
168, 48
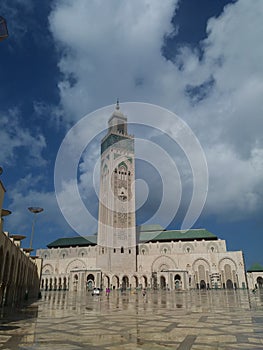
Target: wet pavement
196, 320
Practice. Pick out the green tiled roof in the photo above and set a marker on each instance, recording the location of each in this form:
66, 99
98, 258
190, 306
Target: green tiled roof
255, 268
146, 233
177, 235
73, 242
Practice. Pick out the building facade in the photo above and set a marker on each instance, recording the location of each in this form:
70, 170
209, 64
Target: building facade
255, 276
124, 256
19, 272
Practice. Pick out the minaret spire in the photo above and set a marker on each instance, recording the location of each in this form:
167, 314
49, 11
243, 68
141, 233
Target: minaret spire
118, 104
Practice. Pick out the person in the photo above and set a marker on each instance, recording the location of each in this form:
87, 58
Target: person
107, 291
144, 292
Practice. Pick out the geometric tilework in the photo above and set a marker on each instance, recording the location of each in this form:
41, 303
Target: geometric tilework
194, 320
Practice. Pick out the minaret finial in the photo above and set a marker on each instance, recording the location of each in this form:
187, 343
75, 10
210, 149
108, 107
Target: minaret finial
118, 104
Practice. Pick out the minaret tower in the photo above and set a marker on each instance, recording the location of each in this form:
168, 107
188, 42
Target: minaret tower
116, 227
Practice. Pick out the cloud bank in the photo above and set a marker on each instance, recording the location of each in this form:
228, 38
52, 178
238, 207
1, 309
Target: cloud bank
114, 49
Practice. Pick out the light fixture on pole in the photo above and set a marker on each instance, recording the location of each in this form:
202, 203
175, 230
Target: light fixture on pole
3, 29
35, 211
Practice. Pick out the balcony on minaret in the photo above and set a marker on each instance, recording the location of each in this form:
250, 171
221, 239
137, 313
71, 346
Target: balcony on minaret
117, 132
117, 123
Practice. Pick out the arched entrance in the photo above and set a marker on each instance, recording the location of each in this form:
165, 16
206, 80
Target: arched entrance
50, 283
143, 282
55, 283
134, 281
65, 285
106, 281
177, 281
125, 282
115, 282
75, 282
162, 282
59, 283
202, 284
90, 281
260, 282
229, 284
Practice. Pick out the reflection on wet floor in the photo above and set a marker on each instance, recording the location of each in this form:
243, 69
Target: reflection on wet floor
212, 319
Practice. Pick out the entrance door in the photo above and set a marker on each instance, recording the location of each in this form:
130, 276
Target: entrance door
260, 282
162, 282
90, 281
177, 281
229, 284
125, 282
202, 284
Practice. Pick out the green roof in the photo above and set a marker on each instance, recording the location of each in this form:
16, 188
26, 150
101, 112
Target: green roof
146, 233
73, 242
255, 268
177, 235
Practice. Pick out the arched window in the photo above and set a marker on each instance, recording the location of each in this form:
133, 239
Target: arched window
122, 250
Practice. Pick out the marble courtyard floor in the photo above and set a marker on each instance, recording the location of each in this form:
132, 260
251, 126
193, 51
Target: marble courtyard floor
196, 320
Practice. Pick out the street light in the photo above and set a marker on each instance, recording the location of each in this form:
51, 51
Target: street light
3, 29
35, 211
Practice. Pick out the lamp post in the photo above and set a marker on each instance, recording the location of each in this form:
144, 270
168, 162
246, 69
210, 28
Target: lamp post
35, 211
3, 29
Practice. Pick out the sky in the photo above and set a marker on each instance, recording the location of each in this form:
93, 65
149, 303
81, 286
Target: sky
201, 60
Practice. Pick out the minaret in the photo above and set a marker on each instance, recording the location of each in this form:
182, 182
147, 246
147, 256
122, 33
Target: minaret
116, 227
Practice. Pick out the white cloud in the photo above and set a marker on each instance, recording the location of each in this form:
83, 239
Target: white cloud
239, 181
109, 51
14, 136
114, 50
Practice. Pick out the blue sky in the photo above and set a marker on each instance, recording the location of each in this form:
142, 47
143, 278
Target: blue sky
200, 59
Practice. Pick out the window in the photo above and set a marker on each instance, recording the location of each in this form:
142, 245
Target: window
120, 128
122, 250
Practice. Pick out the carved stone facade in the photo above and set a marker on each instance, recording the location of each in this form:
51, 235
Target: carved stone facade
116, 224
197, 264
120, 257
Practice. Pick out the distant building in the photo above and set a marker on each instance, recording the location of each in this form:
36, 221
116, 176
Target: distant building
123, 256
255, 276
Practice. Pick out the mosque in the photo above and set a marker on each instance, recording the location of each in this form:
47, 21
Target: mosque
125, 256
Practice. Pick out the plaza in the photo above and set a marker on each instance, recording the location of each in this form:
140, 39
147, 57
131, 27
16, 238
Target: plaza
196, 320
